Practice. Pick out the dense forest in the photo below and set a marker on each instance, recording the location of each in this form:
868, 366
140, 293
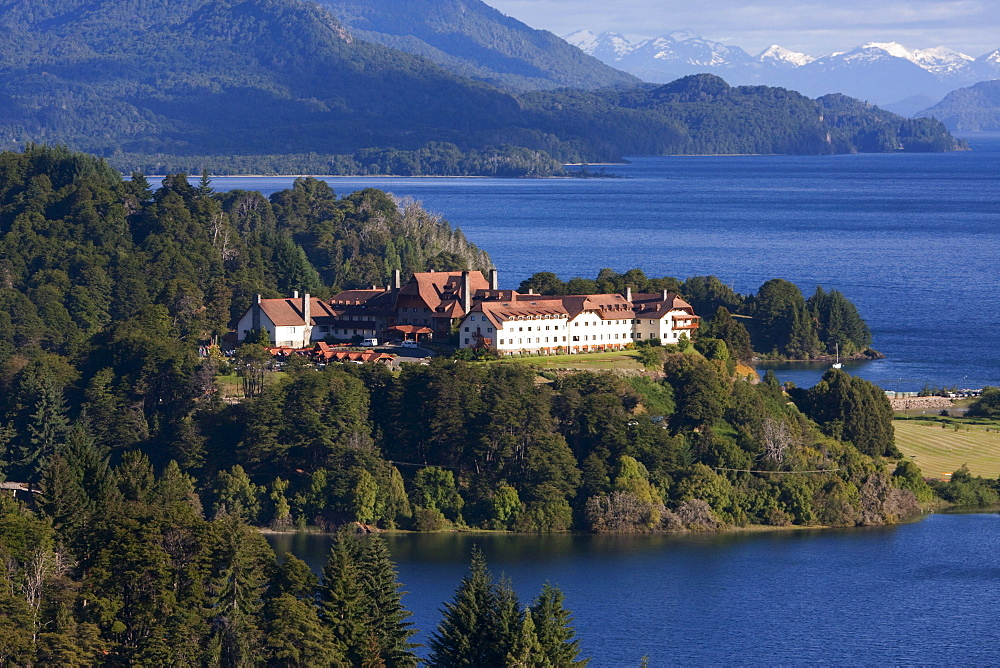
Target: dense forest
472, 39
142, 546
261, 86
776, 322
134, 575
972, 109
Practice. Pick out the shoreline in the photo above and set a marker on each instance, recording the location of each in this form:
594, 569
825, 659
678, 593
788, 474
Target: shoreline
727, 530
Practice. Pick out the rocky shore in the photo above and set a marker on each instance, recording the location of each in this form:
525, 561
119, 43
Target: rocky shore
920, 403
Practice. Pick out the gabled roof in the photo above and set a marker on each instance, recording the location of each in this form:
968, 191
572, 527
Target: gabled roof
287, 312
656, 306
607, 307
429, 289
500, 312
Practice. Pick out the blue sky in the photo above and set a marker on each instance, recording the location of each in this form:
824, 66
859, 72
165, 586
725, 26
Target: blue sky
816, 27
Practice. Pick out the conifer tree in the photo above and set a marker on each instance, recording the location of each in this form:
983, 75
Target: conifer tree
474, 630
297, 637
342, 599
386, 614
244, 563
47, 428
553, 625
527, 651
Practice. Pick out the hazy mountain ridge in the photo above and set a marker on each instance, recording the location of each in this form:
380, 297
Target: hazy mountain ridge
972, 109
275, 85
470, 38
885, 73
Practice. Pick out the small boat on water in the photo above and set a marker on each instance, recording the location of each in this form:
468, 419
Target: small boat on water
837, 364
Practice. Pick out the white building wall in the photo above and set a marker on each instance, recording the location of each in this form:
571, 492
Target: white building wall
589, 331
541, 333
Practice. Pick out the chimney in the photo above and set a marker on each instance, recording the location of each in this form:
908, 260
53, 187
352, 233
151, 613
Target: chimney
255, 318
307, 316
665, 293
295, 294
396, 279
531, 291
466, 291
494, 280
628, 293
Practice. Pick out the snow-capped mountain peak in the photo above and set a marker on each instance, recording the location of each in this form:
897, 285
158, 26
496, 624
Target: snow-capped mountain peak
781, 55
894, 49
606, 45
882, 72
937, 60
683, 35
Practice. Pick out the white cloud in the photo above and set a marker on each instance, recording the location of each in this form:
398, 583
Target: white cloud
972, 26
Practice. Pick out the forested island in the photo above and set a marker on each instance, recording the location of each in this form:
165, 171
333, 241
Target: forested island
282, 87
143, 545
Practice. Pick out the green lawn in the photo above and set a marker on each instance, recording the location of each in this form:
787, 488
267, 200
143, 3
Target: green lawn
231, 385
938, 449
619, 359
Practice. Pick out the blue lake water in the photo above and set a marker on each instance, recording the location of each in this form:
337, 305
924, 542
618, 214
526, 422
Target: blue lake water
913, 240
923, 593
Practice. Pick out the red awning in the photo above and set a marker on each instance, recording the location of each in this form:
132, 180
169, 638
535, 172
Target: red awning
410, 329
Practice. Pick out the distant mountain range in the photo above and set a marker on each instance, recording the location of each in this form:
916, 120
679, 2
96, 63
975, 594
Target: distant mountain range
972, 109
888, 74
270, 85
470, 38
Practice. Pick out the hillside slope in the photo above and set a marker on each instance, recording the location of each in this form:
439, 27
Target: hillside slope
972, 109
272, 85
470, 38
230, 76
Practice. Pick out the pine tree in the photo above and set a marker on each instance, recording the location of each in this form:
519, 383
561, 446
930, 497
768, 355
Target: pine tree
472, 630
244, 563
47, 428
297, 637
554, 628
387, 616
343, 600
527, 651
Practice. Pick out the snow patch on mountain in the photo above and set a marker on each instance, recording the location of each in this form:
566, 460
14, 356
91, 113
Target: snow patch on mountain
779, 55
937, 60
603, 45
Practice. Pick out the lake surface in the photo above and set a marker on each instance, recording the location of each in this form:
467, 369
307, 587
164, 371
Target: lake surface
922, 593
913, 240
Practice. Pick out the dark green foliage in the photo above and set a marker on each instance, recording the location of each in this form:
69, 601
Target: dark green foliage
553, 626
853, 409
781, 321
730, 330
281, 85
838, 323
986, 405
361, 604
965, 490
698, 388
474, 40
972, 109
478, 627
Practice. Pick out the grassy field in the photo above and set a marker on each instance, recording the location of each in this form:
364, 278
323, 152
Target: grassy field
938, 448
619, 359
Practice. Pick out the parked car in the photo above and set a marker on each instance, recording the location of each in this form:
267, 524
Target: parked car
409, 344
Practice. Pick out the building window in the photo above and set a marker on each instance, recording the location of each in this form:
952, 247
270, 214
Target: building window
466, 329
489, 330
466, 342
